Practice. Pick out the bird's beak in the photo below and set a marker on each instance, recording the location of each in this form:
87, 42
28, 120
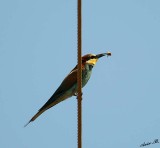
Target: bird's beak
103, 54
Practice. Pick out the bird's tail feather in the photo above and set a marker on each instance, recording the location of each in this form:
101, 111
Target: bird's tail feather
45, 107
35, 116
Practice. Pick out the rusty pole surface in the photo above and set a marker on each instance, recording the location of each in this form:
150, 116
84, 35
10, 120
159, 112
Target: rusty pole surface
79, 74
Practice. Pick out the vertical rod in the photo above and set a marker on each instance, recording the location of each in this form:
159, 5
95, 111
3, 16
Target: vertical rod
79, 74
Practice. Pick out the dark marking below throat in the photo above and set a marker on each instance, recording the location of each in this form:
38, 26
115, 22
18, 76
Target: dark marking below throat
90, 67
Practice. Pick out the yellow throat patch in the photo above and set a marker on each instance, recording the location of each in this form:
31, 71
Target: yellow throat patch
92, 61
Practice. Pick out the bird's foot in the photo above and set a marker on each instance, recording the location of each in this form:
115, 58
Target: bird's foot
76, 94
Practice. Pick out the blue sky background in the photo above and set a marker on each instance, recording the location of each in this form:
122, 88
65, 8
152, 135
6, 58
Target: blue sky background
38, 48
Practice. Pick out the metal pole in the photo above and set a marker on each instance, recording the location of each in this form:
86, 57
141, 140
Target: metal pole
79, 74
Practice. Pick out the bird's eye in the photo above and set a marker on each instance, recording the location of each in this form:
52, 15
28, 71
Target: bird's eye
92, 57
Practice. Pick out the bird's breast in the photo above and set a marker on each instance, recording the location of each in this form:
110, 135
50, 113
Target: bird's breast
86, 74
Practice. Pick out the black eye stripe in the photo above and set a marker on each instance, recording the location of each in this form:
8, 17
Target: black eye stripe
92, 57
88, 58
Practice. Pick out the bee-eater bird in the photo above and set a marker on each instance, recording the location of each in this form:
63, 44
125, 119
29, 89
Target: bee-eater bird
68, 87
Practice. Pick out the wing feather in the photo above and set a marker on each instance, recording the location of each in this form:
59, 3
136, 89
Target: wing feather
66, 84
